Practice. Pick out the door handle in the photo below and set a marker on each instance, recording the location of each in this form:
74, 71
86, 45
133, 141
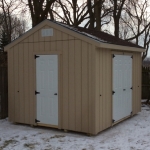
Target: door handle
55, 94
124, 89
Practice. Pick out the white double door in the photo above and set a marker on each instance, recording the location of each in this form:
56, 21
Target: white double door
122, 86
47, 89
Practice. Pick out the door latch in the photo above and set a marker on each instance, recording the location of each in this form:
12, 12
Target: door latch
55, 94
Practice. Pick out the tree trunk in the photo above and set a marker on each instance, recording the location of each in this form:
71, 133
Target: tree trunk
98, 13
39, 10
91, 14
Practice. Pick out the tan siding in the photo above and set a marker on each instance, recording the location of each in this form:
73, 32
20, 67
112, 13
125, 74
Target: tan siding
60, 95
85, 89
97, 91
31, 88
36, 42
136, 83
26, 83
71, 87
103, 89
91, 97
40, 38
47, 46
59, 46
16, 87
11, 100
53, 46
58, 35
108, 73
65, 89
78, 84
100, 66
42, 46
21, 84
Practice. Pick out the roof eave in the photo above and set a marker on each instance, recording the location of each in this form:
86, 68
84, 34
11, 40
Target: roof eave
120, 47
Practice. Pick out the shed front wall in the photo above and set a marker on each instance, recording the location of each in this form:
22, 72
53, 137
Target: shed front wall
75, 79
103, 86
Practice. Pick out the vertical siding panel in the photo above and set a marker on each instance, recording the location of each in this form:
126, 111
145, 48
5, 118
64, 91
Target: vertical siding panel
104, 89
93, 88
31, 87
59, 35
71, 87
140, 80
47, 46
54, 37
101, 89
85, 87
108, 101
40, 38
135, 82
36, 41
65, 106
16, 87
90, 89
78, 85
58, 42
97, 97
21, 84
11, 112
42, 46
53, 46
26, 83
59, 45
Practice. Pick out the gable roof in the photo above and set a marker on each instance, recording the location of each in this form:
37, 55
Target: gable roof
99, 36
107, 37
101, 39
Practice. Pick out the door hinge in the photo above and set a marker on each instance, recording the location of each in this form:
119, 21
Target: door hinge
113, 121
36, 56
132, 56
37, 92
131, 112
113, 56
131, 88
113, 92
37, 121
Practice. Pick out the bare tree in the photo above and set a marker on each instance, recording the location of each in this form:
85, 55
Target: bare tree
39, 10
9, 21
138, 23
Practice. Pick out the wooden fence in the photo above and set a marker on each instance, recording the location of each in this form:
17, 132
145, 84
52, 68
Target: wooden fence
146, 83
3, 86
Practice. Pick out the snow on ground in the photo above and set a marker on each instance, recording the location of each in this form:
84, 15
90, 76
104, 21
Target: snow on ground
131, 134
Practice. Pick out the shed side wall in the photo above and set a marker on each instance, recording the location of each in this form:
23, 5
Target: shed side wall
76, 59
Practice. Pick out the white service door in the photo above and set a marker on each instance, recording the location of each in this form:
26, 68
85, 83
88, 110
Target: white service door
47, 85
122, 86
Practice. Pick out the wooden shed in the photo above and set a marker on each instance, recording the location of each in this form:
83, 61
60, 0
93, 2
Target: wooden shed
72, 78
